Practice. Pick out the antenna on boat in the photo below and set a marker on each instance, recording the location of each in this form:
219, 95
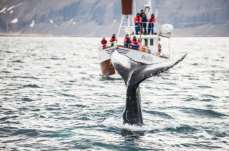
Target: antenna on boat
148, 8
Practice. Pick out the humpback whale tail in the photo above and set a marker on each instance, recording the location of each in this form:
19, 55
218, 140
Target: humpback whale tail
133, 73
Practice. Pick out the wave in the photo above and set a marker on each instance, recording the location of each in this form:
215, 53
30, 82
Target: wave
31, 86
160, 114
203, 112
17, 61
182, 129
19, 77
27, 99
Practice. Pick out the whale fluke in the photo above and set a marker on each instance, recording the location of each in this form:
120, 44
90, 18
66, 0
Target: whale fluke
133, 73
142, 72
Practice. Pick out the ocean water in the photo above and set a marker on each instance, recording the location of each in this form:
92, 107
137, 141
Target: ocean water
52, 97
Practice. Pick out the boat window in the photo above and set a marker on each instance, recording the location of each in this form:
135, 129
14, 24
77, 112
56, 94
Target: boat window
151, 42
146, 42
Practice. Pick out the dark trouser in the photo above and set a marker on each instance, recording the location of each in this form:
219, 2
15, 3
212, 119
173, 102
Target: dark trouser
136, 47
137, 28
126, 45
144, 28
151, 28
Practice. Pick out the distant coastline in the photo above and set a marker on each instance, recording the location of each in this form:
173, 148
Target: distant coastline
52, 35
24, 35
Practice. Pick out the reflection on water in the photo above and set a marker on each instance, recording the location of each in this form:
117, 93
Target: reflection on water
52, 97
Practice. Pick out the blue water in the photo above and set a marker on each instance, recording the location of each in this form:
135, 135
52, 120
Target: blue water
52, 97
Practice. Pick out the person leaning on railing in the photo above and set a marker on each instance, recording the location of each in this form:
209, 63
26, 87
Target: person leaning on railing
138, 23
152, 21
127, 41
104, 43
113, 40
135, 43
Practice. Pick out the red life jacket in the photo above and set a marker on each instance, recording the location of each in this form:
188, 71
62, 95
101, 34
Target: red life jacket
152, 20
137, 19
113, 39
104, 43
135, 43
127, 39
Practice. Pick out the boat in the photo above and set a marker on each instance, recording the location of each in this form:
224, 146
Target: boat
149, 52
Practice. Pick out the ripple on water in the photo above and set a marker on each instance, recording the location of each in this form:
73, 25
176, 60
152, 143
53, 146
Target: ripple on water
203, 112
5, 118
160, 114
185, 129
211, 96
7, 131
31, 86
25, 131
27, 99
202, 145
17, 61
24, 77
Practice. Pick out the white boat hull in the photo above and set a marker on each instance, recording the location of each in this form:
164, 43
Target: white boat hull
138, 56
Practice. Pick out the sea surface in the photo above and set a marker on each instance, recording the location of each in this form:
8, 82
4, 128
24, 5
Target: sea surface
52, 97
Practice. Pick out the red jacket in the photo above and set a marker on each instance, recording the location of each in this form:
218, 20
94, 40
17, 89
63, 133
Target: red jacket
152, 20
104, 43
137, 19
127, 40
135, 43
113, 39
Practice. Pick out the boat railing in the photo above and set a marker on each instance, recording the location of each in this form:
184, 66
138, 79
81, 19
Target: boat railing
148, 29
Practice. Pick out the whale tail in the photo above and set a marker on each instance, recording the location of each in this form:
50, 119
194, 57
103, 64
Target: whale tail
133, 73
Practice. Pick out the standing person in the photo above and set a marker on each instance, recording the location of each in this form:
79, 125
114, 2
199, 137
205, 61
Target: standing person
152, 21
104, 43
138, 23
127, 41
144, 21
113, 40
142, 12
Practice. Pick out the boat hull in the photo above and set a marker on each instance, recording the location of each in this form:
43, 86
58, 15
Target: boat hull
136, 55
107, 68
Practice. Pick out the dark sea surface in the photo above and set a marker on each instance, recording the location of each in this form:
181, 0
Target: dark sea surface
52, 97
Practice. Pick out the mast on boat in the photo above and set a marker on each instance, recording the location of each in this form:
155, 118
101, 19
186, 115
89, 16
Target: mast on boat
127, 23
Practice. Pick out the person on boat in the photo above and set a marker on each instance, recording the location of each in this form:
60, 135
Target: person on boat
159, 49
135, 43
144, 21
113, 40
127, 41
142, 12
152, 21
104, 43
138, 23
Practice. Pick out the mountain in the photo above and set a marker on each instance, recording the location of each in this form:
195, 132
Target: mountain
102, 17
